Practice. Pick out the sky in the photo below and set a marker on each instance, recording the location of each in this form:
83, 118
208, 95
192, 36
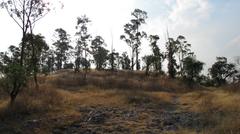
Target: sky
211, 26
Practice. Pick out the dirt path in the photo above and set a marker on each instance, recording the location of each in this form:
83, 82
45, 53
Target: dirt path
146, 118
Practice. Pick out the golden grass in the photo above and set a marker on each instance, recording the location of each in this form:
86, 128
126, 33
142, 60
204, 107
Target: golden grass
92, 96
33, 100
220, 108
117, 80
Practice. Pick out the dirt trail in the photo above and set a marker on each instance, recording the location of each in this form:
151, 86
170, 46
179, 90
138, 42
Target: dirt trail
145, 118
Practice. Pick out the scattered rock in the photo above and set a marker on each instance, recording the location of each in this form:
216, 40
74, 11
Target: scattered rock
96, 117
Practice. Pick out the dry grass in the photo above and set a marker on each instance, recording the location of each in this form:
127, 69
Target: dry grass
32, 101
118, 80
62, 94
220, 109
92, 96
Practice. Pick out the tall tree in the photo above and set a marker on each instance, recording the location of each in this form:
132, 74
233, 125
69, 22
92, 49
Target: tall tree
35, 46
222, 70
133, 35
171, 51
62, 47
25, 14
83, 40
129, 39
157, 57
100, 54
183, 51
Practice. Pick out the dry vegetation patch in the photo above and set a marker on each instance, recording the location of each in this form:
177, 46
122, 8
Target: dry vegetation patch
219, 108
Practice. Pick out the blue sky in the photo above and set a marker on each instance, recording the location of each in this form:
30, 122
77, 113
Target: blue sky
211, 26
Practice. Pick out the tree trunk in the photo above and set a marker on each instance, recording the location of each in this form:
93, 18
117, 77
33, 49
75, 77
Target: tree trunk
132, 66
34, 58
137, 63
12, 99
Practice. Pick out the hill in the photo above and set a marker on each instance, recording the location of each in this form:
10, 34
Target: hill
119, 102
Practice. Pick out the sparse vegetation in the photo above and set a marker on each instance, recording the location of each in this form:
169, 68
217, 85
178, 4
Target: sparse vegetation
54, 88
64, 98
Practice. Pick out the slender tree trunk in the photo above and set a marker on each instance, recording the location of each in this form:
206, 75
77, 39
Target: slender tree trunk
14, 92
34, 58
22, 48
85, 70
137, 59
132, 66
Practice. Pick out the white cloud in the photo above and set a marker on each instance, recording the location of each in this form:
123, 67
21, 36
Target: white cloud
234, 42
186, 17
189, 13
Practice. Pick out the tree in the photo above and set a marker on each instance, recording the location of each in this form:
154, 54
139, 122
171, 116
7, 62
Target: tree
183, 51
48, 60
113, 57
236, 78
157, 57
133, 35
25, 14
35, 47
83, 39
171, 51
129, 39
62, 47
125, 61
100, 54
13, 78
222, 70
148, 60
191, 69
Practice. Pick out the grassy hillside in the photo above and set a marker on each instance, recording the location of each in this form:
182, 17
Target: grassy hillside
119, 102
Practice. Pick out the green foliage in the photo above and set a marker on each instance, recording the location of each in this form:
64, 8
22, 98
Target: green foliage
133, 35
222, 70
83, 39
82, 63
62, 47
68, 66
125, 61
48, 61
191, 69
12, 73
34, 51
14, 79
172, 63
183, 50
148, 60
25, 14
157, 57
100, 54
113, 59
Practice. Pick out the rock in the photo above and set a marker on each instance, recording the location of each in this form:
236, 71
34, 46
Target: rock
32, 124
96, 117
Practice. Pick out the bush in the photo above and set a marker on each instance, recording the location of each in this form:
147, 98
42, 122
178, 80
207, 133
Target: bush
14, 79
